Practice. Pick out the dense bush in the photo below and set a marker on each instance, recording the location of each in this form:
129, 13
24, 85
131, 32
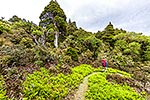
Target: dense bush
101, 89
2, 90
4, 27
73, 53
93, 44
44, 85
16, 56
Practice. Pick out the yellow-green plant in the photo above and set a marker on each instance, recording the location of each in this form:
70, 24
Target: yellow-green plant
101, 89
44, 85
2, 91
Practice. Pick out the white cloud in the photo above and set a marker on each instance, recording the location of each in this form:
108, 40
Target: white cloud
92, 15
28, 9
131, 15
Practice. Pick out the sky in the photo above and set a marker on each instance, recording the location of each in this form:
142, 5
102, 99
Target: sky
91, 15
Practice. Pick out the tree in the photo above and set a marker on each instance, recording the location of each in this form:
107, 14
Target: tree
147, 53
108, 34
134, 49
51, 11
71, 27
15, 18
121, 45
92, 43
4, 27
53, 14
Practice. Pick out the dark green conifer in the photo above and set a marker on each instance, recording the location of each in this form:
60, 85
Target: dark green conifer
108, 34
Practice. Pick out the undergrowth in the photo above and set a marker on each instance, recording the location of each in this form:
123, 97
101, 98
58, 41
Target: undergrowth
43, 85
2, 91
101, 89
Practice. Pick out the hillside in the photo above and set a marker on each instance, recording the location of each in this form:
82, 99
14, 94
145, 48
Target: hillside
40, 61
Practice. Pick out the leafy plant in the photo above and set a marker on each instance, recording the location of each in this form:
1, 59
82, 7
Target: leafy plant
2, 91
44, 85
101, 89
73, 53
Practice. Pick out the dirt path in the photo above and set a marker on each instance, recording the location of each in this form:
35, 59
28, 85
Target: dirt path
80, 94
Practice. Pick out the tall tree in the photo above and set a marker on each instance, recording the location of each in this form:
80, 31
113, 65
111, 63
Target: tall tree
15, 18
54, 17
71, 27
108, 34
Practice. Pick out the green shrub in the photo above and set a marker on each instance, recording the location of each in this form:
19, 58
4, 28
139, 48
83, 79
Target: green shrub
43, 85
17, 55
39, 63
125, 74
4, 27
26, 41
2, 91
73, 53
83, 69
67, 59
101, 89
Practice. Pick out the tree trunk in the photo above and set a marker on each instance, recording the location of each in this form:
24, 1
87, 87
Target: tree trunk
56, 39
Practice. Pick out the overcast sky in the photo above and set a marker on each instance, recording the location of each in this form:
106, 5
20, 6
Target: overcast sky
92, 15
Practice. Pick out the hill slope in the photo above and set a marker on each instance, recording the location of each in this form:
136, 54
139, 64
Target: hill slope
55, 46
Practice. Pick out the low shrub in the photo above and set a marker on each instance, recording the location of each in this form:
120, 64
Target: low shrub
2, 90
44, 85
73, 53
101, 89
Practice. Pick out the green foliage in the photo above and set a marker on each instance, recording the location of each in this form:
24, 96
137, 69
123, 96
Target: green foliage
20, 29
53, 14
83, 69
135, 47
128, 37
92, 43
71, 27
121, 44
101, 89
42, 56
26, 41
15, 19
61, 23
99, 34
67, 59
113, 71
44, 85
2, 91
4, 27
24, 44
81, 34
16, 56
39, 63
147, 53
37, 32
54, 18
133, 44
108, 34
73, 53
109, 29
